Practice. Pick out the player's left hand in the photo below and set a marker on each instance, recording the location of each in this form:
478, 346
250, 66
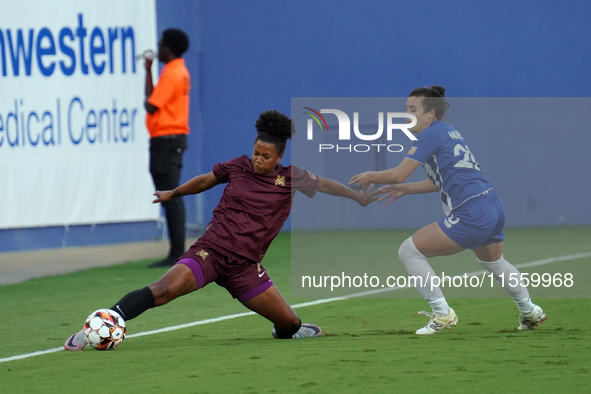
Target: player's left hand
392, 192
364, 182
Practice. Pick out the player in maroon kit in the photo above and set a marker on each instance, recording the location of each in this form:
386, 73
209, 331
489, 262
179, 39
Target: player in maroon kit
255, 204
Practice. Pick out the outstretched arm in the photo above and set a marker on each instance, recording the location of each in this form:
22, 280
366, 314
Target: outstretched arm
393, 175
196, 185
335, 188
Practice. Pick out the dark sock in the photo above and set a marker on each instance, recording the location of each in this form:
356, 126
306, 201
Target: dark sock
134, 303
286, 334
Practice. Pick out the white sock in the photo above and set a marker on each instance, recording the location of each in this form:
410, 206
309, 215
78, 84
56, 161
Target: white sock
525, 305
439, 306
416, 265
519, 293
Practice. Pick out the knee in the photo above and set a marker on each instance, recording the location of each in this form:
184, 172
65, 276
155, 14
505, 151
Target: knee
490, 262
408, 251
491, 253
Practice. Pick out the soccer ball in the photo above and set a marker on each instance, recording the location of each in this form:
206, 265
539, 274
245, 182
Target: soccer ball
104, 329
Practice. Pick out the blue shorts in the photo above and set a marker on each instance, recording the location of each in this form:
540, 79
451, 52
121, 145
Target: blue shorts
478, 221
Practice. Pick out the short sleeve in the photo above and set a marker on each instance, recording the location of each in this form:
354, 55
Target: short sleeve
163, 91
426, 145
221, 171
304, 181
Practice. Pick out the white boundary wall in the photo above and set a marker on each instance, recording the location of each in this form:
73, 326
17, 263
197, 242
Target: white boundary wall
73, 142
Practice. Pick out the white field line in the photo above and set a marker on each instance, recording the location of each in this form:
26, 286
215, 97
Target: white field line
549, 260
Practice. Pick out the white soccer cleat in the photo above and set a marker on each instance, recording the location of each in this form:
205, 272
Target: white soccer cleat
438, 323
531, 320
307, 330
76, 341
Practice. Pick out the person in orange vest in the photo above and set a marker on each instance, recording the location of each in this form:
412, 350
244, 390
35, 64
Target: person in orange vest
167, 120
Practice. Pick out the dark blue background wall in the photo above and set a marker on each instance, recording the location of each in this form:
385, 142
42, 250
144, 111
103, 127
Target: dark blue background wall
256, 55
250, 56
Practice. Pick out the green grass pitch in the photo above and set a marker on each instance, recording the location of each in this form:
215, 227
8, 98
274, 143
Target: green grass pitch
368, 344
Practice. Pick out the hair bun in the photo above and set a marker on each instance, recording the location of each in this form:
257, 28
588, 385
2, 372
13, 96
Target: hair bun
439, 89
275, 123
433, 98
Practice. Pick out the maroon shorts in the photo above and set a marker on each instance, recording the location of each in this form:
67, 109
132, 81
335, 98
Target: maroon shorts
243, 278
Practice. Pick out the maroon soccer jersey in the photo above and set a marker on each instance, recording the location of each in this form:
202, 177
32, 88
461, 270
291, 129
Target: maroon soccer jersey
254, 207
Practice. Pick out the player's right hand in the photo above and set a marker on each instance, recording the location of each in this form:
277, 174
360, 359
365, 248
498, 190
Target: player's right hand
163, 196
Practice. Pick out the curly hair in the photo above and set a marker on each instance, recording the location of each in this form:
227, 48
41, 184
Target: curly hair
433, 98
275, 128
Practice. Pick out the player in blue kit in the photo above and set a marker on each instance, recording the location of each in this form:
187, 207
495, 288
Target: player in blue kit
475, 214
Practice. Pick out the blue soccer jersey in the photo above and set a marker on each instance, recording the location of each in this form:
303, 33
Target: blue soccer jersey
450, 165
